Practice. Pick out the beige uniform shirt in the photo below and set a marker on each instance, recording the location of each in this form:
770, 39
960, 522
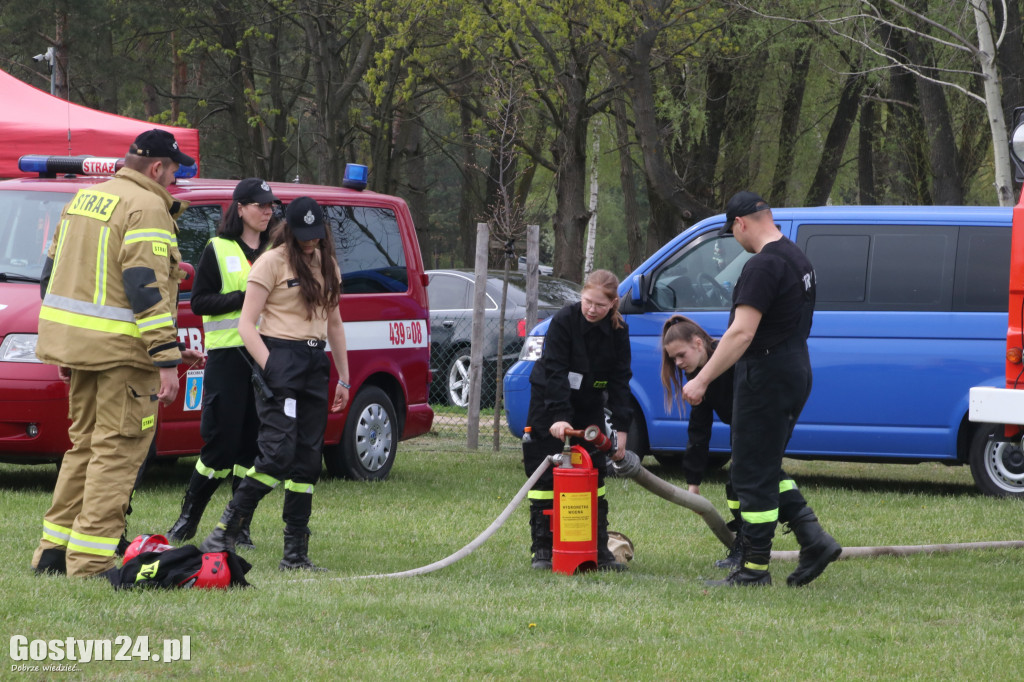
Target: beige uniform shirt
284, 315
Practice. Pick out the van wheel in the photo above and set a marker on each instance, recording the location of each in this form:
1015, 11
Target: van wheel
370, 440
636, 439
996, 465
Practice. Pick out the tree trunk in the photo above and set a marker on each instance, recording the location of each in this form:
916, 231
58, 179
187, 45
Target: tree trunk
588, 261
469, 192
571, 214
908, 173
866, 154
630, 212
789, 128
990, 71
947, 184
1011, 55
662, 179
61, 84
835, 141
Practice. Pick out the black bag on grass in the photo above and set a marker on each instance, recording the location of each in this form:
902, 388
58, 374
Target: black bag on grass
182, 567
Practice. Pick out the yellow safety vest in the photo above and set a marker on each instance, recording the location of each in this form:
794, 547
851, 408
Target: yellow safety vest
222, 330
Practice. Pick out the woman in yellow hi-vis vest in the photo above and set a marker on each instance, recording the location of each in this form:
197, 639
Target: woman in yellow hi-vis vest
228, 423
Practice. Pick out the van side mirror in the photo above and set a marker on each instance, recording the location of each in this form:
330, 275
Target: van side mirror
190, 276
638, 289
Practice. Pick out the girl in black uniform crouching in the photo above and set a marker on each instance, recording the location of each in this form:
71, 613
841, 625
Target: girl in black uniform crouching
685, 349
584, 367
293, 290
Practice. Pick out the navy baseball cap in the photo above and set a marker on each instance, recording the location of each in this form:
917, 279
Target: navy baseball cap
739, 205
158, 143
253, 191
306, 219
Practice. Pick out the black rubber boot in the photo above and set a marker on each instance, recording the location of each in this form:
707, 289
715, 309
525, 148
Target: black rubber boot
734, 556
244, 537
817, 548
197, 495
225, 534
296, 550
540, 535
606, 561
52, 561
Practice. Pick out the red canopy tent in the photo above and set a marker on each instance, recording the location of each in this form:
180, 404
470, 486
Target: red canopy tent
35, 122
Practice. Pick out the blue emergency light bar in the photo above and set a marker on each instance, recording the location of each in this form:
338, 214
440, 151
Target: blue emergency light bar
50, 166
355, 176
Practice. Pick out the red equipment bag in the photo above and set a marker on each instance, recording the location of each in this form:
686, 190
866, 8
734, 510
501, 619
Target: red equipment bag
179, 567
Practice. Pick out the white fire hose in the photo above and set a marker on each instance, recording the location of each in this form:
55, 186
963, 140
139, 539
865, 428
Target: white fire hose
630, 467
476, 542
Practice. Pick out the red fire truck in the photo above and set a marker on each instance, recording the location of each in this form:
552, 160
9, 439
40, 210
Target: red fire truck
384, 306
1001, 410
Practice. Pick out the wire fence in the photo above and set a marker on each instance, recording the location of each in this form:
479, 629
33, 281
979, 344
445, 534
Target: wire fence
450, 390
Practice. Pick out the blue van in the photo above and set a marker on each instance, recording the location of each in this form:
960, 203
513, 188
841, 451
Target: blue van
911, 313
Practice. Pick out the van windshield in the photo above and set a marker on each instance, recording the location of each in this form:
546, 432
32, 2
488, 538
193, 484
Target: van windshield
27, 222
702, 277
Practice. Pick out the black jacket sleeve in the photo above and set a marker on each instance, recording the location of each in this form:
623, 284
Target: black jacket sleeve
695, 459
620, 400
206, 296
556, 358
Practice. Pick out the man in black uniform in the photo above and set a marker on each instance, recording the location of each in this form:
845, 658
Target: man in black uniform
773, 304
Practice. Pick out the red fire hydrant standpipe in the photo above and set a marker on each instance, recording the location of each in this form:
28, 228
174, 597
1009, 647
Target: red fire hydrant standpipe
574, 513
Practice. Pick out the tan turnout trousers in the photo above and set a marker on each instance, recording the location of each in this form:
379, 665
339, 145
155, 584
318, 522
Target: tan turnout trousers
113, 419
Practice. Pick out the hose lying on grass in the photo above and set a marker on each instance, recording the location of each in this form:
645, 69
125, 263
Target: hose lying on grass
476, 542
630, 467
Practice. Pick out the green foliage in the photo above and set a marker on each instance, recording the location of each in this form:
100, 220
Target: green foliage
167, 118
286, 88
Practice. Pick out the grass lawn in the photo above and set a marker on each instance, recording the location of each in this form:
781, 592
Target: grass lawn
940, 617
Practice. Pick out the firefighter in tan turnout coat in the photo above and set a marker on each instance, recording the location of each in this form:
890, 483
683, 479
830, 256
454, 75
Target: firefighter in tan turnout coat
107, 321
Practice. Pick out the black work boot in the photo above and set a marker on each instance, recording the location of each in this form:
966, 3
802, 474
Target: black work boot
540, 535
746, 575
53, 560
296, 550
734, 555
197, 495
606, 561
817, 548
754, 569
225, 533
244, 538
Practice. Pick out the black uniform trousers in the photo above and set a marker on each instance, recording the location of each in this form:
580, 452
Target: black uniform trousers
229, 422
770, 391
292, 426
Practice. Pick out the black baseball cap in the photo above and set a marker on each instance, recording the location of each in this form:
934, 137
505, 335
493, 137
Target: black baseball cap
160, 143
306, 219
739, 205
253, 191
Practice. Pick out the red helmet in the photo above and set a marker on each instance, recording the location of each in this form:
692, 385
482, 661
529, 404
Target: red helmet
146, 543
213, 574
